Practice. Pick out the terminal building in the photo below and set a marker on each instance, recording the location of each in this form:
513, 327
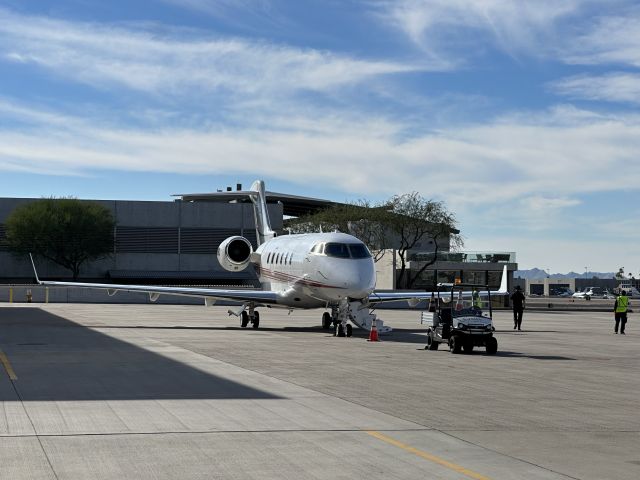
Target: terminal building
175, 243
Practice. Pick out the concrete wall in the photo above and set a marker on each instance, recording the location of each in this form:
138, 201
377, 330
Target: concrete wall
238, 218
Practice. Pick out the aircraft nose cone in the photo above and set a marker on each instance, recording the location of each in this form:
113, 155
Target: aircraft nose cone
360, 281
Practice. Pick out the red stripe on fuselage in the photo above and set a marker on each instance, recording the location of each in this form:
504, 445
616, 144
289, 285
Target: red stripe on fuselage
286, 277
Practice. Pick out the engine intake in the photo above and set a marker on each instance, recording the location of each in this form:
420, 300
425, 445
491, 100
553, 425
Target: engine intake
234, 253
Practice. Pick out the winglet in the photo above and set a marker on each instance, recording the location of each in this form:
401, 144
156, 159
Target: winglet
34, 270
503, 282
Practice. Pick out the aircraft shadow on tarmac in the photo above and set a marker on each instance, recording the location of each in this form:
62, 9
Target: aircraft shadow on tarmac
399, 334
56, 359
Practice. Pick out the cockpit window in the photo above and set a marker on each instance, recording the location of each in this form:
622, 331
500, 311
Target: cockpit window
339, 250
359, 250
317, 248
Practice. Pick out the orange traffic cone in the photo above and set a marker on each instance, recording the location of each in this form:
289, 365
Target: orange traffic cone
373, 334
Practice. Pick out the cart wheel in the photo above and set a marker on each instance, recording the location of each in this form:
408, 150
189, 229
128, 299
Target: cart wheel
455, 344
431, 345
492, 346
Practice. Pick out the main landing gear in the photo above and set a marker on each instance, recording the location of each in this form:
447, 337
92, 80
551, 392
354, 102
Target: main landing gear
253, 317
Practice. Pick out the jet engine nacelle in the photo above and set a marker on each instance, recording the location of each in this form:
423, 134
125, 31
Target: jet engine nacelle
234, 253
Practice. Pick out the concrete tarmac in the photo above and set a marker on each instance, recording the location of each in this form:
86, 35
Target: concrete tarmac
168, 392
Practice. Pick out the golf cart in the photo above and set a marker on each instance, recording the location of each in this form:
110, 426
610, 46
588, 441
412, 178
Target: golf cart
456, 318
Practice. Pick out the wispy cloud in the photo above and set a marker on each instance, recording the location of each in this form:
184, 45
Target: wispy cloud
184, 62
611, 39
243, 13
613, 87
463, 27
551, 161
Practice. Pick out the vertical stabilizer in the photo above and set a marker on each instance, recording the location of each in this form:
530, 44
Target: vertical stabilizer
263, 224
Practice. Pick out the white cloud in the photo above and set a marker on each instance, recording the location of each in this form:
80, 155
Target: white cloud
180, 63
613, 87
612, 39
548, 161
441, 27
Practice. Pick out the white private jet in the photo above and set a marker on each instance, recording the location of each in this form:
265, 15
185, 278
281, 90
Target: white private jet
318, 270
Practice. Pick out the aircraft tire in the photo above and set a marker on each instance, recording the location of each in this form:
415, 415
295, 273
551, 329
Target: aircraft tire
256, 320
431, 345
339, 330
244, 319
349, 330
326, 320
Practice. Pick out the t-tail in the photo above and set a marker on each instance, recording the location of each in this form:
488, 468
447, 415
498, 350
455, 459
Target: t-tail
263, 224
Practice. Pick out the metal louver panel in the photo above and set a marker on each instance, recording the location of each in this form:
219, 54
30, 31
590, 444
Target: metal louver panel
3, 239
207, 240
146, 240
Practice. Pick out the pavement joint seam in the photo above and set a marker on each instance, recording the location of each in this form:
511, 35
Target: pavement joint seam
33, 426
451, 435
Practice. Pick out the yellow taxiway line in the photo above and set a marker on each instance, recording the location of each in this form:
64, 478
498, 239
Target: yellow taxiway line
7, 366
428, 456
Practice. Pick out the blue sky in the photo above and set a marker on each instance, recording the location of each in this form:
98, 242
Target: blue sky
523, 117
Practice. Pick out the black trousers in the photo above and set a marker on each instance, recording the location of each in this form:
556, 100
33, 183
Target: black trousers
517, 317
621, 320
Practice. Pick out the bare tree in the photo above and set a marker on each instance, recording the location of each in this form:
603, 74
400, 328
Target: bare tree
415, 219
401, 223
360, 219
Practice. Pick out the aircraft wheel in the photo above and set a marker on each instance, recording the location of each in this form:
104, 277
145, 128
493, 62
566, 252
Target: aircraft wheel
431, 345
326, 320
492, 346
256, 320
349, 330
454, 344
244, 319
339, 330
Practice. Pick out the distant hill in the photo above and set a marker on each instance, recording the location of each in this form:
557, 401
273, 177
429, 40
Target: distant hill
539, 274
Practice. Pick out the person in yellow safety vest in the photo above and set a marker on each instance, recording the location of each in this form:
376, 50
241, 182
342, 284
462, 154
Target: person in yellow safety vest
620, 311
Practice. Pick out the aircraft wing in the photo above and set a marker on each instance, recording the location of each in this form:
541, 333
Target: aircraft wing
260, 297
415, 297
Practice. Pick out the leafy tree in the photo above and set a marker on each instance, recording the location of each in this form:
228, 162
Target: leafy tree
401, 223
65, 231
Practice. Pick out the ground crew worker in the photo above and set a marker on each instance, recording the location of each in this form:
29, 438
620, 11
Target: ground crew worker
476, 302
620, 311
518, 300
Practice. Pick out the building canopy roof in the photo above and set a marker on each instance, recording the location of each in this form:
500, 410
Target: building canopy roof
292, 205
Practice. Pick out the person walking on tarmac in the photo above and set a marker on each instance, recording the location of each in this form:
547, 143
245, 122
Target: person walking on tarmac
620, 311
517, 298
